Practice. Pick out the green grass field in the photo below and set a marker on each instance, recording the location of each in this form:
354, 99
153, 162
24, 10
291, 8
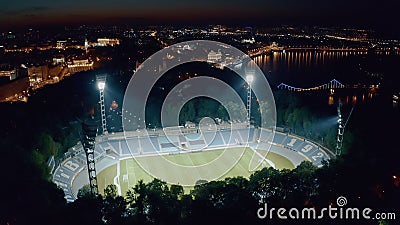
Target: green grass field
193, 166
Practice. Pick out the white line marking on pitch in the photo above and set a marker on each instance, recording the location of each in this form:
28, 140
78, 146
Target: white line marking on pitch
116, 178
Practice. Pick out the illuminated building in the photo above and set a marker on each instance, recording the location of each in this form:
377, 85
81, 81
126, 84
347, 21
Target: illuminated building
61, 44
38, 74
11, 73
249, 40
22, 49
107, 41
80, 65
214, 57
58, 60
189, 124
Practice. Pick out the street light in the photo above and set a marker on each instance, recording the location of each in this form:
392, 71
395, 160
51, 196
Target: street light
101, 84
249, 79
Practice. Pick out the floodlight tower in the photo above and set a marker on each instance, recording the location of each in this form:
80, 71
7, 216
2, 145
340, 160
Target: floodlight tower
339, 142
249, 79
341, 126
89, 128
101, 84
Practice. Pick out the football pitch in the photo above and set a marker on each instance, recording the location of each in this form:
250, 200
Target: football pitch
192, 167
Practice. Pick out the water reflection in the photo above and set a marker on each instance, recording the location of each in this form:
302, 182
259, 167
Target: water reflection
331, 100
349, 98
300, 59
313, 68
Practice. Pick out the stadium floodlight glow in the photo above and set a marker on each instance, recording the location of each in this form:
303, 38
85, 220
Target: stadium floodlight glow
101, 85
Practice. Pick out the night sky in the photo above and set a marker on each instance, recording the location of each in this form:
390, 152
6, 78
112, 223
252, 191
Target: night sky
365, 13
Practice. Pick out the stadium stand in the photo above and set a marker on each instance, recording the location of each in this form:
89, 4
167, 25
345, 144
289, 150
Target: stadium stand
213, 139
133, 146
71, 174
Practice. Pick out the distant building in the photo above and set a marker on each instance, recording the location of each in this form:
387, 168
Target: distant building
58, 60
17, 49
55, 73
190, 124
6, 70
80, 65
11, 73
38, 74
107, 41
214, 57
80, 62
248, 40
61, 44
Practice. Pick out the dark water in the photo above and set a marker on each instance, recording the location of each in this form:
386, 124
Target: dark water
305, 69
311, 68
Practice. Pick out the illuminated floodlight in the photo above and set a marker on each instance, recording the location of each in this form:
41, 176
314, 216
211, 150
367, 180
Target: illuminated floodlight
101, 85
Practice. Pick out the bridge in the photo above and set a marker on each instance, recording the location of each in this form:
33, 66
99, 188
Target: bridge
264, 50
327, 49
274, 48
333, 84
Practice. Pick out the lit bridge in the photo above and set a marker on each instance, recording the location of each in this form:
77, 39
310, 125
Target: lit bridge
274, 48
333, 84
264, 50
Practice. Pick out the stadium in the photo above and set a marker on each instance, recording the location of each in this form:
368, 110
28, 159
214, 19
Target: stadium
124, 158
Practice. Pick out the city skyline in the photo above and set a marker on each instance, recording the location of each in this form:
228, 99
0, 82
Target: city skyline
380, 16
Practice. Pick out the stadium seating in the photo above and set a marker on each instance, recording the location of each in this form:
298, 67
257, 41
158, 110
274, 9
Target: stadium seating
122, 147
149, 145
213, 139
132, 144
